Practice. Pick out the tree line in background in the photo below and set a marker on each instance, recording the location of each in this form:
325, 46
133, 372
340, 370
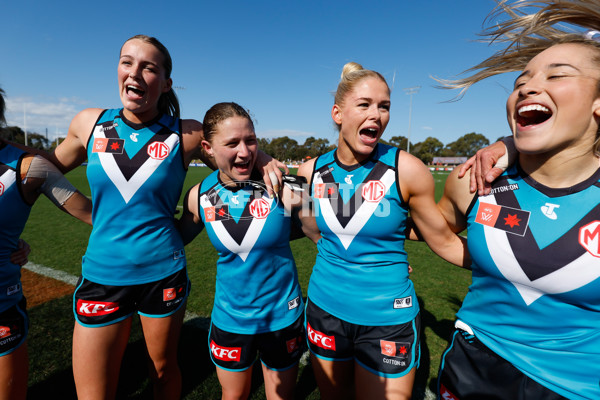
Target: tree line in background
289, 150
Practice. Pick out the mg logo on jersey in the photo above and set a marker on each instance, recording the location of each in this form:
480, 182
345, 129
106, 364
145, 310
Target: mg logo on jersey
1, 188
589, 238
259, 208
158, 150
96, 308
225, 353
373, 191
320, 339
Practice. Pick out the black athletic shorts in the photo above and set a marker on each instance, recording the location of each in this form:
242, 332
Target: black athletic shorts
471, 371
278, 350
100, 305
14, 325
388, 351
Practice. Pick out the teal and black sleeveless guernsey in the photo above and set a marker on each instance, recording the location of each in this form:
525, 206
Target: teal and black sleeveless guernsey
361, 269
535, 295
257, 289
14, 211
136, 174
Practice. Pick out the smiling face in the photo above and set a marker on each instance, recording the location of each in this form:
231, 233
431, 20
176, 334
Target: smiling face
233, 146
362, 117
556, 101
142, 80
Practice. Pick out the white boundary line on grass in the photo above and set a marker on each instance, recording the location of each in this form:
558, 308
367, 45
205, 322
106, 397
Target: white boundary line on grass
190, 317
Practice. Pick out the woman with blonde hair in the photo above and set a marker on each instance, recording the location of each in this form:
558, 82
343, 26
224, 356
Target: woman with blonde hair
529, 327
362, 314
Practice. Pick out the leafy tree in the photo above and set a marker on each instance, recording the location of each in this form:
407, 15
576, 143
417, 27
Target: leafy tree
16, 134
313, 147
467, 145
400, 141
427, 149
284, 148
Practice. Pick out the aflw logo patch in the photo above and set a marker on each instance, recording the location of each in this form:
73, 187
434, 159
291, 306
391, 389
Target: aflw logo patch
394, 349
508, 219
106, 145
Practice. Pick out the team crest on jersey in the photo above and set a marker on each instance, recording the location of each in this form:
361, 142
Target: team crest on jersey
508, 219
129, 174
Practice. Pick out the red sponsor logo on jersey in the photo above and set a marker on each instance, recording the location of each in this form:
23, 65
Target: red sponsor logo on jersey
96, 308
108, 145
209, 214
487, 214
4, 331
169, 294
373, 191
445, 394
394, 349
158, 150
259, 208
589, 238
292, 345
1, 188
225, 353
320, 339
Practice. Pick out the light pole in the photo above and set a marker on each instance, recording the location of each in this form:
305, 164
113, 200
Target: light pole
410, 91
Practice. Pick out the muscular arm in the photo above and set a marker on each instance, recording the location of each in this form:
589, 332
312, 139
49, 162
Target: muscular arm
71, 152
417, 186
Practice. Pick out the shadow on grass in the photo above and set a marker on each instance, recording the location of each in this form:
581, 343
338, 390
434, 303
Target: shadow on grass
442, 328
51, 376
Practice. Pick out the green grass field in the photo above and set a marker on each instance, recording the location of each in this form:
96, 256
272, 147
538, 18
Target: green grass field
59, 241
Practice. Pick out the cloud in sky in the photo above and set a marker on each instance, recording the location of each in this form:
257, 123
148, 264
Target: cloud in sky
39, 115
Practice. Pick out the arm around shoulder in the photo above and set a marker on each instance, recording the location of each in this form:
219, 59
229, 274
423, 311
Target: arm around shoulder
190, 223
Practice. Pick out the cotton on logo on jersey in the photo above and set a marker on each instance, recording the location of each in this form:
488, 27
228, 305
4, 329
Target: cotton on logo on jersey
259, 208
373, 191
96, 308
589, 238
225, 353
158, 150
320, 339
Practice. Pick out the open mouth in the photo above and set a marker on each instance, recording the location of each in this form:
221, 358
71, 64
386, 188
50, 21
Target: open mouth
370, 132
242, 166
533, 114
135, 90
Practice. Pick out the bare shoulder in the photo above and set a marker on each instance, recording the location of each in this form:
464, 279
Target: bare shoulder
457, 190
191, 136
306, 169
83, 123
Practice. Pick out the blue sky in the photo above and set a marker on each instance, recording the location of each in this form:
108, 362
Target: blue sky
281, 59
